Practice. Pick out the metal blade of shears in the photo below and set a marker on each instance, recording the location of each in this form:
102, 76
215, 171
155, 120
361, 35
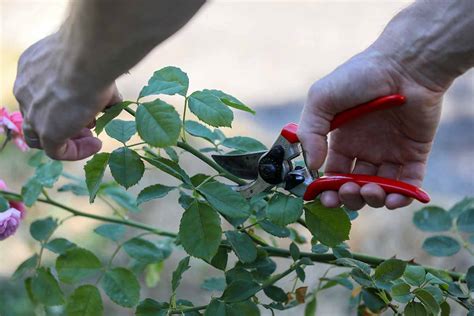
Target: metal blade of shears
244, 166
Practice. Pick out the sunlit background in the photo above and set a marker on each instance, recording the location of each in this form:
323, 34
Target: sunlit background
266, 53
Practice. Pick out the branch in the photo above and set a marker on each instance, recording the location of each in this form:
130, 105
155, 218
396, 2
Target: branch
370, 260
272, 251
15, 196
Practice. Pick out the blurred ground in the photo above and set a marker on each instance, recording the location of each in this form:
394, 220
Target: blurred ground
267, 53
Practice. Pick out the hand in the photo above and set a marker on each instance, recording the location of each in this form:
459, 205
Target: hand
57, 112
390, 143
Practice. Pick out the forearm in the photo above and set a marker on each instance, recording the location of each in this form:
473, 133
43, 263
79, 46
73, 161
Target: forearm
102, 39
433, 40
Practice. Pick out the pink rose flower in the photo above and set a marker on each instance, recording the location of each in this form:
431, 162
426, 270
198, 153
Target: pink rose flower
11, 125
10, 219
9, 222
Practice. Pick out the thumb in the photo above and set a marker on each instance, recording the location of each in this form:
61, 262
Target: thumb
313, 129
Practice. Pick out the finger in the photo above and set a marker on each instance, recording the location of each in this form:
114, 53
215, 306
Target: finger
412, 173
330, 199
31, 138
349, 194
373, 195
79, 147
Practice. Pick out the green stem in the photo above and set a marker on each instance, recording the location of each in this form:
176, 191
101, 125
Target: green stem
130, 111
210, 162
272, 251
184, 118
370, 260
17, 197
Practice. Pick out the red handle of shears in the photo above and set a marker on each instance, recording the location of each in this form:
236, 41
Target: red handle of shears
335, 181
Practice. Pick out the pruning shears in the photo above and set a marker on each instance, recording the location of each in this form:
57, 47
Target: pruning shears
275, 167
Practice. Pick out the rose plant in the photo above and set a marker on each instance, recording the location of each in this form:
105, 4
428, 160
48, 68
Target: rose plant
239, 237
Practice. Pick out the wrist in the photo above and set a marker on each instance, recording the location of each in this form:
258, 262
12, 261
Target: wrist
433, 43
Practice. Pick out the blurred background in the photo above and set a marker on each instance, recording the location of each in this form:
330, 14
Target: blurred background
267, 54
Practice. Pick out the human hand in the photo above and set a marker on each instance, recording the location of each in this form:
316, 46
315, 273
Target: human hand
391, 143
58, 108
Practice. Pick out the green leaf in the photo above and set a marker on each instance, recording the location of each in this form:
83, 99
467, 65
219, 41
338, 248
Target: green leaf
455, 290
214, 284
432, 219
153, 274
37, 158
445, 309
319, 248
200, 231
341, 251
415, 309
122, 286
310, 309
42, 229
168, 80
26, 266
172, 154
170, 167
126, 166
284, 209
414, 275
470, 278
390, 270
353, 263
247, 308
85, 301
231, 101
243, 143
198, 130
149, 307
158, 123
59, 245
240, 290
275, 293
401, 293
46, 289
95, 169
427, 299
48, 173
461, 206
219, 261
218, 308
210, 109
441, 246
109, 115
76, 189
152, 192
113, 232
242, 245
465, 221
274, 230
77, 264
372, 300
362, 277
237, 273
31, 191
294, 251
225, 200
4, 204
436, 292
330, 226
125, 200
143, 250
183, 266
121, 130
